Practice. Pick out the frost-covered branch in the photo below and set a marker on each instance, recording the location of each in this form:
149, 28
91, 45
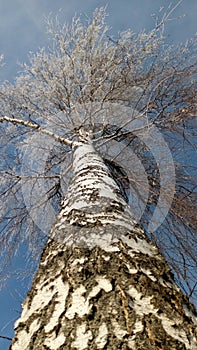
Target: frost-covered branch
37, 127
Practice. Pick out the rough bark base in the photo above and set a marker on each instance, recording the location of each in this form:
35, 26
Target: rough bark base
94, 299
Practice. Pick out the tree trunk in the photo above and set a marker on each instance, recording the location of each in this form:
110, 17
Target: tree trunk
101, 283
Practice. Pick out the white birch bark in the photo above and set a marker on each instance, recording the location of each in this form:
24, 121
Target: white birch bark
101, 284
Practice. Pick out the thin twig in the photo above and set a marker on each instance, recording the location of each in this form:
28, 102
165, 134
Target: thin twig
1, 336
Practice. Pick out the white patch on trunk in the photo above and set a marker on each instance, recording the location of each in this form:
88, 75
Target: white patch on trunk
52, 254
104, 218
131, 344
78, 261
101, 338
23, 340
103, 240
130, 270
54, 343
106, 257
143, 306
190, 314
80, 305
178, 334
104, 283
169, 284
41, 299
118, 331
149, 274
34, 326
138, 327
82, 338
140, 246
62, 293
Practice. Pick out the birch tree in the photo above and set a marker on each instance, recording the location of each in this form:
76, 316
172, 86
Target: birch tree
92, 133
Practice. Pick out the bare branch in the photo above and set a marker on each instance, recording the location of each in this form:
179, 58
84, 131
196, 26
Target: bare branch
7, 338
38, 127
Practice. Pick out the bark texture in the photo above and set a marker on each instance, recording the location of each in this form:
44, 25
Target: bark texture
97, 299
101, 283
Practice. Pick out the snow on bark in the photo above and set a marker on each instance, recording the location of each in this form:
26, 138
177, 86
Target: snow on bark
101, 283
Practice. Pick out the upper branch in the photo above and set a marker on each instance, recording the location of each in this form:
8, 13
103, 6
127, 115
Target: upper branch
39, 128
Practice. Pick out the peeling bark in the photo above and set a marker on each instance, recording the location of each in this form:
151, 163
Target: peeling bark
101, 284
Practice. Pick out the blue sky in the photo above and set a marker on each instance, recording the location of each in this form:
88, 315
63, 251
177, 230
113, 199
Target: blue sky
22, 29
22, 22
